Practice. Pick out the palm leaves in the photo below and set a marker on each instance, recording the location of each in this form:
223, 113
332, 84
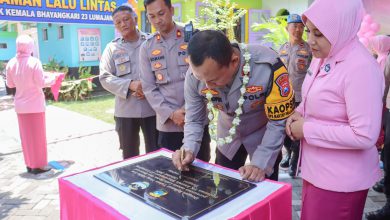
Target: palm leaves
220, 15
276, 30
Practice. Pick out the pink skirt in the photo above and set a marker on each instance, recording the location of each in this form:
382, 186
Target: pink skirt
320, 204
32, 129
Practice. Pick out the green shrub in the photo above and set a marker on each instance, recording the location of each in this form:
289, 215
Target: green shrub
2, 66
276, 27
72, 88
77, 89
277, 32
54, 66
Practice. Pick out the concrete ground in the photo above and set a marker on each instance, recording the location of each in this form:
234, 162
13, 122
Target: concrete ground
72, 137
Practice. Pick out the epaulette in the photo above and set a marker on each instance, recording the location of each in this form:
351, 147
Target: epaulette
273, 49
262, 54
144, 36
151, 36
116, 39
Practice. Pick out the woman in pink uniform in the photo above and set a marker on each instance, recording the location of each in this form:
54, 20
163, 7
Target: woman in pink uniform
26, 74
339, 118
381, 46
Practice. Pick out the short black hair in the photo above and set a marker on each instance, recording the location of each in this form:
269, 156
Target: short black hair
210, 44
148, 2
123, 8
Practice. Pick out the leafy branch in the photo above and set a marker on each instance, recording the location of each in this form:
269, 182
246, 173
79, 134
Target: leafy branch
276, 30
220, 15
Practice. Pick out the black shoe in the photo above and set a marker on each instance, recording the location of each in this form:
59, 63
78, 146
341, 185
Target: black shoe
285, 162
379, 186
28, 169
39, 170
380, 214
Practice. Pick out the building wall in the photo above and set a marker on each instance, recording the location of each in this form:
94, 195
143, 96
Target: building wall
8, 38
249, 4
189, 7
293, 6
67, 49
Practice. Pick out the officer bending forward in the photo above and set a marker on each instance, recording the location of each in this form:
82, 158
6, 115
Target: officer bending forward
251, 89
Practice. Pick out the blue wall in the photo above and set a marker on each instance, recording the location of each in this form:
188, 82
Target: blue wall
67, 49
8, 38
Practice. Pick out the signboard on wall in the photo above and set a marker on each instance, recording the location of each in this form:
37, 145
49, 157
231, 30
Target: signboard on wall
60, 11
89, 44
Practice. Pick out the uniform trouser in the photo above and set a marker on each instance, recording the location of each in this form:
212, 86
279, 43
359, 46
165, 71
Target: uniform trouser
32, 129
128, 132
321, 204
291, 146
174, 141
386, 155
239, 160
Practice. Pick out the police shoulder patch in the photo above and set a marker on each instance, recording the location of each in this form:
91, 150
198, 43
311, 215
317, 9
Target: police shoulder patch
280, 99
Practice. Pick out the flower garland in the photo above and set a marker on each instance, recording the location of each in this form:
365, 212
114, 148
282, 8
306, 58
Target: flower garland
236, 121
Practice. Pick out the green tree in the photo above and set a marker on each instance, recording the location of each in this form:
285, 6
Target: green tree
221, 15
276, 27
277, 32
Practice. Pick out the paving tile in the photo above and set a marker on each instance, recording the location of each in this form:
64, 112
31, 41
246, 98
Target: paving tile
41, 204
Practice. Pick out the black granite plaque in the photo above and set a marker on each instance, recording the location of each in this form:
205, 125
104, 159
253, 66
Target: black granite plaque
158, 183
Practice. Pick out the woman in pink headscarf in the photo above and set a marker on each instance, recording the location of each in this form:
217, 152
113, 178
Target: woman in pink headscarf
338, 120
381, 46
26, 74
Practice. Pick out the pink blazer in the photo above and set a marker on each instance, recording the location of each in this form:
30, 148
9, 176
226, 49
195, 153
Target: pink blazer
26, 74
341, 105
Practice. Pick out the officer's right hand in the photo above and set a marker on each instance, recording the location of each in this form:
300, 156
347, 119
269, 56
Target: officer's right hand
294, 117
136, 88
252, 173
178, 117
180, 164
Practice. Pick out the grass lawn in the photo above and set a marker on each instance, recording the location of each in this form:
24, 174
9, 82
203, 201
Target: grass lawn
101, 107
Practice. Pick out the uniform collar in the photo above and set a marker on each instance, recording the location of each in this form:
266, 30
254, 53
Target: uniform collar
329, 64
141, 38
237, 81
300, 45
176, 34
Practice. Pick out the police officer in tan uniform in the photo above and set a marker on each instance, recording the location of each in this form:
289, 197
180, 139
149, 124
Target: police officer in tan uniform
119, 74
296, 55
164, 63
218, 68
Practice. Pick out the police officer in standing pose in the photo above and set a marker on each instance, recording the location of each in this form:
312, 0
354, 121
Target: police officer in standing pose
119, 74
296, 55
164, 63
251, 89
